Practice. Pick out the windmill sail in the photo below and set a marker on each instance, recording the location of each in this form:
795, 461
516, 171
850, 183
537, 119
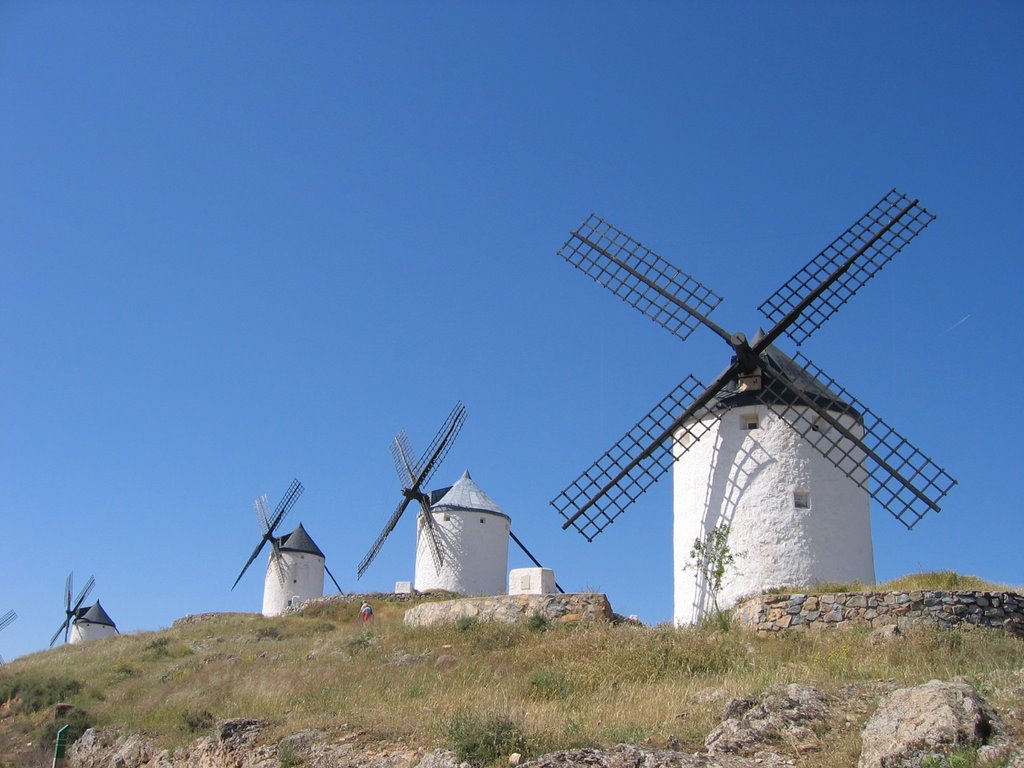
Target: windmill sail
413, 476
901, 478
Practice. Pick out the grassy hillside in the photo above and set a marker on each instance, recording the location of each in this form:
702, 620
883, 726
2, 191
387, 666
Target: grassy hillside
541, 687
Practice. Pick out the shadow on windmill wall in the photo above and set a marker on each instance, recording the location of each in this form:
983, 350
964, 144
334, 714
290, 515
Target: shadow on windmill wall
737, 460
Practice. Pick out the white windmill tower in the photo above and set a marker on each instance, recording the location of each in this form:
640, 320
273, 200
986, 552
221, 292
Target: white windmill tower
296, 565
472, 533
462, 535
773, 447
83, 623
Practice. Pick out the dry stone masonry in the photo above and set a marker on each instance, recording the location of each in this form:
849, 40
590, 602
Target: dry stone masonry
773, 613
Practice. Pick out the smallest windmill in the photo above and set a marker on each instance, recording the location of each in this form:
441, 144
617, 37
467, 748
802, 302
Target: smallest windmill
296, 568
82, 623
5, 621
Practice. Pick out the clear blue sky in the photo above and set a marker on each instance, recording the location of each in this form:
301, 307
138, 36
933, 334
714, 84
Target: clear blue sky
246, 242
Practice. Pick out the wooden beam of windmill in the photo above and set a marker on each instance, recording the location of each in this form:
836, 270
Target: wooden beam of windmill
269, 526
71, 608
801, 306
413, 476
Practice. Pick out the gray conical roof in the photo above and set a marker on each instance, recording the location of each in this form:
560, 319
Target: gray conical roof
466, 495
95, 614
299, 541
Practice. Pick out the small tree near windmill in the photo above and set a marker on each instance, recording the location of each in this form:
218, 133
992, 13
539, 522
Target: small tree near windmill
712, 557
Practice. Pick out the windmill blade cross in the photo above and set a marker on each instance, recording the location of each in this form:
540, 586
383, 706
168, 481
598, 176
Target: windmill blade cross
60, 630
381, 537
68, 587
402, 453
639, 458
252, 557
84, 594
652, 285
262, 513
831, 278
902, 479
269, 525
430, 531
440, 445
7, 619
285, 505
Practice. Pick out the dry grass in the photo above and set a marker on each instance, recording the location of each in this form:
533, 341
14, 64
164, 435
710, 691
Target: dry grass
930, 581
559, 687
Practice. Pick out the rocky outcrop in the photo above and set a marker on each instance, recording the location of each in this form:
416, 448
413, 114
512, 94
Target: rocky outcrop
632, 756
785, 716
560, 608
910, 728
234, 744
913, 723
774, 613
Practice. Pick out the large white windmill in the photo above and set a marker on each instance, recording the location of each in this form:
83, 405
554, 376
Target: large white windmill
773, 447
296, 565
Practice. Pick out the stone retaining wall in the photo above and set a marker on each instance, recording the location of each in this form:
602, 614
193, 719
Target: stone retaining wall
773, 613
564, 608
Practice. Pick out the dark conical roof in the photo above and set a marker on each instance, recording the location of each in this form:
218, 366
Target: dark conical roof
299, 541
95, 614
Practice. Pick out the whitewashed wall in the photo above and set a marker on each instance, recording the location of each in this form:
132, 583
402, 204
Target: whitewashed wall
81, 631
747, 479
301, 579
474, 545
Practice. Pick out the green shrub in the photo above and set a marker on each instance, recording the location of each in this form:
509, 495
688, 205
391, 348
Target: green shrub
287, 756
359, 642
480, 740
269, 632
35, 691
465, 623
78, 722
538, 623
194, 720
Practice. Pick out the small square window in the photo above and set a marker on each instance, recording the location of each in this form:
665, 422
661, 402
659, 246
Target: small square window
802, 499
482, 520
749, 422
447, 517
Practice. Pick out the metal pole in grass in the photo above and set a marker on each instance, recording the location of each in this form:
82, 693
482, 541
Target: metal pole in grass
60, 747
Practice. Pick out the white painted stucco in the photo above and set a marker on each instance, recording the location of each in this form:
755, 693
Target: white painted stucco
748, 478
292, 578
474, 547
531, 581
81, 631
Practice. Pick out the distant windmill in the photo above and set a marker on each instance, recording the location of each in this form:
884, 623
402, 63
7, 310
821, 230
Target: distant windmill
5, 621
413, 476
769, 434
455, 548
83, 623
295, 570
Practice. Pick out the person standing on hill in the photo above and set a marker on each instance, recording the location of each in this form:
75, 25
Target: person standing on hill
365, 611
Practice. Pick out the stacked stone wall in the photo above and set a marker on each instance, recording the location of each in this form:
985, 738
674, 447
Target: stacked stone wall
774, 613
560, 608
